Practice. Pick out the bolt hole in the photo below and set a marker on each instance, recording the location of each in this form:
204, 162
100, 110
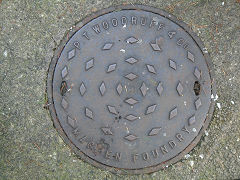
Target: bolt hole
118, 117
63, 88
197, 88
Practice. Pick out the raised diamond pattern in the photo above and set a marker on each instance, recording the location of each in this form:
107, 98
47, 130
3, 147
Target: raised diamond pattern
172, 64
111, 67
130, 137
102, 88
198, 103
173, 113
197, 73
160, 88
151, 69
190, 56
191, 120
132, 40
131, 117
112, 109
180, 89
64, 72
131, 101
154, 131
82, 89
71, 122
150, 109
89, 64
155, 47
64, 103
131, 60
107, 46
88, 113
131, 76
144, 89
71, 54
119, 89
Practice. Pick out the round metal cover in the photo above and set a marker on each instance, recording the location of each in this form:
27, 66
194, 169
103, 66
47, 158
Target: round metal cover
130, 89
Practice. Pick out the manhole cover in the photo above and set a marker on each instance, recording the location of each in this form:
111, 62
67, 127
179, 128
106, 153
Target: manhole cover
130, 89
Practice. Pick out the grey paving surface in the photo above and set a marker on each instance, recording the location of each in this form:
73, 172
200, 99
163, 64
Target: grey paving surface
30, 147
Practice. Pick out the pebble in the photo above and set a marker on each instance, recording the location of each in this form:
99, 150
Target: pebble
214, 98
5, 53
154, 174
187, 156
201, 156
205, 50
191, 163
233, 151
206, 133
122, 50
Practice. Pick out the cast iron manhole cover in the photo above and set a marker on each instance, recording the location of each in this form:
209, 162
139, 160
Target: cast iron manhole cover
130, 89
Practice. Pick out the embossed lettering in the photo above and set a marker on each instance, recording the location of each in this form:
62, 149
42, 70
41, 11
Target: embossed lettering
164, 149
96, 28
145, 156
155, 153
81, 140
76, 132
76, 44
179, 137
90, 145
124, 20
108, 154
134, 157
171, 34
134, 20
185, 129
143, 21
117, 156
172, 144
180, 41
85, 35
152, 23
185, 46
105, 25
114, 22
160, 26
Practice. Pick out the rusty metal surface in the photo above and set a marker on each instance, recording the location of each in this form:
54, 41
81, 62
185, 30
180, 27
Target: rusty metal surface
130, 90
